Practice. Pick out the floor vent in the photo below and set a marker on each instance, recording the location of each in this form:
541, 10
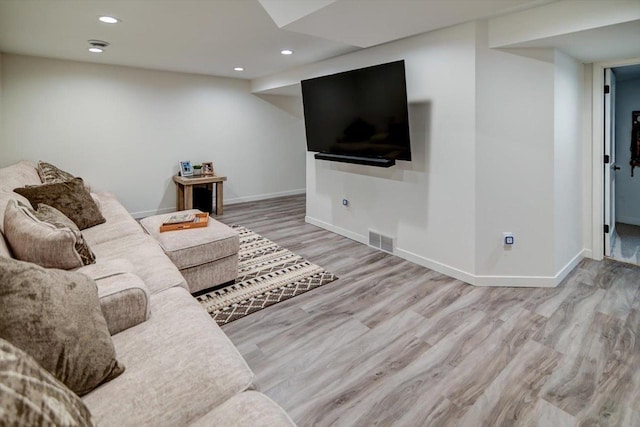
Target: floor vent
380, 241
374, 239
386, 243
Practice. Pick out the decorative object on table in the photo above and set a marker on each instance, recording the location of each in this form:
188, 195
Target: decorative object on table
267, 274
207, 168
185, 168
174, 222
197, 170
179, 218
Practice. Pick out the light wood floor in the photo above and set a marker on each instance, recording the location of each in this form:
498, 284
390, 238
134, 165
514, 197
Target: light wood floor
393, 343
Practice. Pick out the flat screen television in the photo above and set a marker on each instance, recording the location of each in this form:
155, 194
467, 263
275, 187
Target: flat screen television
360, 113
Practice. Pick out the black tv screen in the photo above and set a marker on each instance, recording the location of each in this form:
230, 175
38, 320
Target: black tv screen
359, 113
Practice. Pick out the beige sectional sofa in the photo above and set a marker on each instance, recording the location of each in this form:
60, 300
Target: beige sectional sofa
181, 369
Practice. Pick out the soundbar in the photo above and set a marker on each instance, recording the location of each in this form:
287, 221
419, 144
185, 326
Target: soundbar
370, 161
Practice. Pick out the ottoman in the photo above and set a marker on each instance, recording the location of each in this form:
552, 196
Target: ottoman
206, 257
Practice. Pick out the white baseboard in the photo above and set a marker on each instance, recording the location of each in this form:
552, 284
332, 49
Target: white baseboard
532, 281
497, 281
436, 266
476, 280
341, 231
628, 220
144, 214
264, 196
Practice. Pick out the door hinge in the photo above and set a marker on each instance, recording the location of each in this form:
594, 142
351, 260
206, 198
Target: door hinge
606, 159
607, 89
606, 228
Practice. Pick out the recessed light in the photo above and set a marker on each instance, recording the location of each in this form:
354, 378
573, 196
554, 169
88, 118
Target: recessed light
286, 52
97, 46
109, 19
238, 69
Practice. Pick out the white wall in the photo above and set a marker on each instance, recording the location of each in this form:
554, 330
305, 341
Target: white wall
514, 161
487, 157
426, 204
587, 160
125, 129
1, 118
627, 188
568, 159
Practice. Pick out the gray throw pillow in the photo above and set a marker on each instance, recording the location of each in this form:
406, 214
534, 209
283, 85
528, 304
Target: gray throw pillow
50, 174
46, 237
31, 396
55, 316
69, 197
53, 216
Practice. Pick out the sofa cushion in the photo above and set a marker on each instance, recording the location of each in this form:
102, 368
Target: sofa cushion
124, 297
179, 365
189, 248
31, 396
250, 409
50, 174
124, 300
55, 316
150, 263
4, 247
46, 237
96, 200
104, 268
119, 222
16, 175
70, 197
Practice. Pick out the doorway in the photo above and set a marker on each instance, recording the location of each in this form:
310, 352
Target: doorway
622, 171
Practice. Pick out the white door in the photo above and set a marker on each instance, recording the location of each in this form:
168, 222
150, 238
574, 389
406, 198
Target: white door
610, 167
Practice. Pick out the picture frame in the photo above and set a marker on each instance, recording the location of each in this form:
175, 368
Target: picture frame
207, 168
185, 168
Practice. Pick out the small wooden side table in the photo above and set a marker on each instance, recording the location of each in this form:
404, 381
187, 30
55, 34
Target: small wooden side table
184, 190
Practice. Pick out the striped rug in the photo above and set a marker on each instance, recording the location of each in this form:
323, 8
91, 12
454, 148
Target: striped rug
267, 274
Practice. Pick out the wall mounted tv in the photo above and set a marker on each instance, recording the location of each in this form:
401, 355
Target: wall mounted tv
358, 116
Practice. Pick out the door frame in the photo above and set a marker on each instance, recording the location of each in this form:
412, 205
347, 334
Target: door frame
597, 152
609, 148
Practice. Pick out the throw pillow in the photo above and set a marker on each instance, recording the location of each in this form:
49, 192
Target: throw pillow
55, 316
53, 216
70, 197
49, 174
31, 396
97, 201
46, 237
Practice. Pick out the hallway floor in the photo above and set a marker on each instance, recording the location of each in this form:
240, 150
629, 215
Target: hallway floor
626, 247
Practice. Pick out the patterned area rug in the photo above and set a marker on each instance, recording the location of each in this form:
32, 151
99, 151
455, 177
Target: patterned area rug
267, 274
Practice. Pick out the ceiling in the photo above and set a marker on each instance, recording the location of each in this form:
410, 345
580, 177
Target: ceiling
598, 44
214, 36
628, 72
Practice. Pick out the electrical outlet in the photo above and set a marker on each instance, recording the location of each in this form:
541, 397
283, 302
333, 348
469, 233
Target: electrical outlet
345, 202
508, 239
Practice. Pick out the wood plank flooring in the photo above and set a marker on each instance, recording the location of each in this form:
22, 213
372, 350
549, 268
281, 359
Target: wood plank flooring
394, 344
